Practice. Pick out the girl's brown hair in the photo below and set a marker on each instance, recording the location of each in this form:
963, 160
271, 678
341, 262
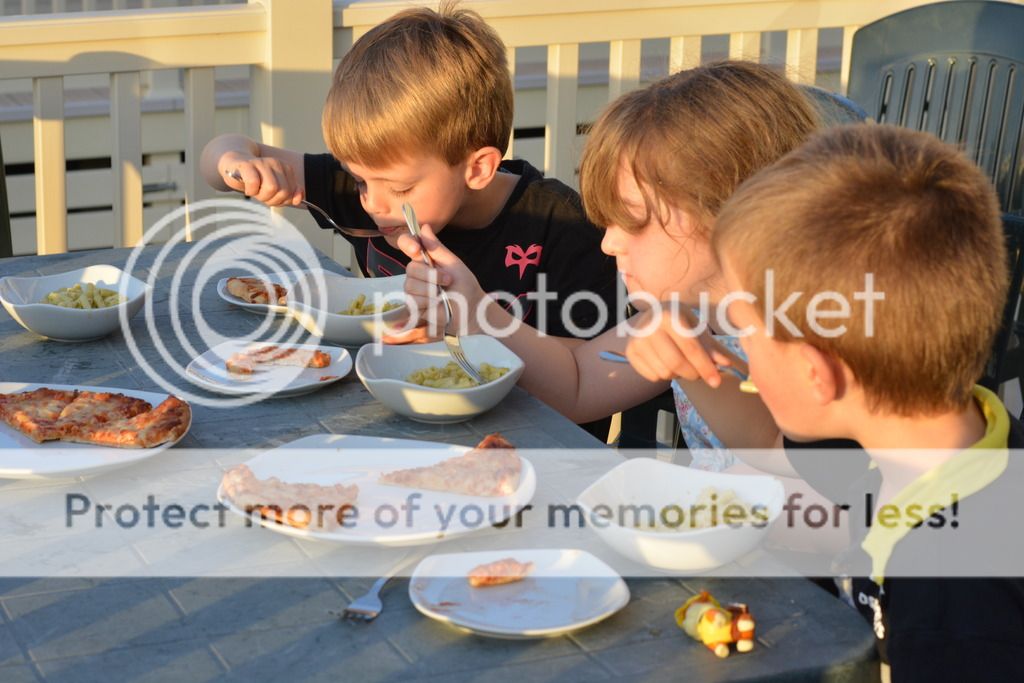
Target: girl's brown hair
690, 139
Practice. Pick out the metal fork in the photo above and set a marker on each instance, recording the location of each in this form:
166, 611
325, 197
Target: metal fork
367, 606
341, 230
451, 339
746, 386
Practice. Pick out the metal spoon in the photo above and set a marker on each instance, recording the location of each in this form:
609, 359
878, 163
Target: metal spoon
341, 230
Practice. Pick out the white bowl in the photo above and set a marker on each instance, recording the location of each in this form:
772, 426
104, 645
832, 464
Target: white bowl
383, 369
21, 296
316, 309
649, 482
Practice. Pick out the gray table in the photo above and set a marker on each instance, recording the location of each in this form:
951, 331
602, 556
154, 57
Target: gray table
188, 629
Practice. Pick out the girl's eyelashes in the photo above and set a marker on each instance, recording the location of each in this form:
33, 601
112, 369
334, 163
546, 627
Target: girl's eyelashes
401, 193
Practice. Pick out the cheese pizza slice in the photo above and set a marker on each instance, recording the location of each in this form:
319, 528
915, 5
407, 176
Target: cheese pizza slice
299, 505
256, 291
167, 422
491, 469
35, 413
245, 362
93, 410
505, 570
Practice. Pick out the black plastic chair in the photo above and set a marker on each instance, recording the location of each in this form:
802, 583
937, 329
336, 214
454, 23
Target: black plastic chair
6, 245
956, 70
1007, 353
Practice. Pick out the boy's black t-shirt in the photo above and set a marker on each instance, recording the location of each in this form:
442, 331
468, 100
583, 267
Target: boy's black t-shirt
934, 629
541, 230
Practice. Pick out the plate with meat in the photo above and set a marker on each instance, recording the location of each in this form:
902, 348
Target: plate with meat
263, 294
517, 593
378, 491
237, 368
62, 430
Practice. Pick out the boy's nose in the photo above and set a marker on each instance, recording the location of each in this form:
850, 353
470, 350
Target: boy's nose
376, 203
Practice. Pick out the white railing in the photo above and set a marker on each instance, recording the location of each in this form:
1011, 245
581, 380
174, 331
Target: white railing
289, 48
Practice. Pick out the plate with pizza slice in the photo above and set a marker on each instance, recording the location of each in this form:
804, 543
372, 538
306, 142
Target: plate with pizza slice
62, 430
237, 368
365, 490
517, 594
267, 293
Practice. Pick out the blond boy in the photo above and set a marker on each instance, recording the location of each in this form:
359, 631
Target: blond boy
924, 222
420, 111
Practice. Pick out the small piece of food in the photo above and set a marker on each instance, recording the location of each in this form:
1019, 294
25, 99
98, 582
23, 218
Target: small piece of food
298, 505
491, 469
451, 376
83, 295
360, 307
505, 570
167, 422
245, 362
35, 413
92, 410
253, 290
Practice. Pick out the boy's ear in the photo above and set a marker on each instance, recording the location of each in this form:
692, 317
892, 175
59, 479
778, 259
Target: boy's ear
824, 374
481, 165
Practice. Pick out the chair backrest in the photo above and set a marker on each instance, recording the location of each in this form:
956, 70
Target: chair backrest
6, 246
833, 108
1006, 362
954, 69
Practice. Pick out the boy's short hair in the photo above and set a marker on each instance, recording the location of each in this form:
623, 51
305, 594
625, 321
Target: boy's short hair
690, 139
906, 207
421, 82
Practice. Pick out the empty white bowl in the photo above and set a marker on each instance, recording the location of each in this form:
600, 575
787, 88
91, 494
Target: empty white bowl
383, 369
21, 297
317, 308
662, 486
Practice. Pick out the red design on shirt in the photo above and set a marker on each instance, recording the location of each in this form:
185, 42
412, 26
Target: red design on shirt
515, 256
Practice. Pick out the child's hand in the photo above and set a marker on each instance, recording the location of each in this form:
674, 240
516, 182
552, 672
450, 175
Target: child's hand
421, 282
268, 179
665, 353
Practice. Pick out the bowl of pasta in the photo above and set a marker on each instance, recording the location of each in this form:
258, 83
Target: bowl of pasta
79, 305
347, 310
676, 518
423, 383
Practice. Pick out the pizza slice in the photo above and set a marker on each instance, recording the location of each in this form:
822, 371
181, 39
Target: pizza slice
256, 291
93, 410
35, 413
491, 469
505, 570
167, 422
297, 505
245, 362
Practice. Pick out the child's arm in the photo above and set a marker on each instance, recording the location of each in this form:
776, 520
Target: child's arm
272, 175
569, 376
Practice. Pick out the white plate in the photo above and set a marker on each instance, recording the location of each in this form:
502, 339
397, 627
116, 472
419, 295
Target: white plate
23, 458
21, 297
278, 380
328, 459
288, 279
567, 590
